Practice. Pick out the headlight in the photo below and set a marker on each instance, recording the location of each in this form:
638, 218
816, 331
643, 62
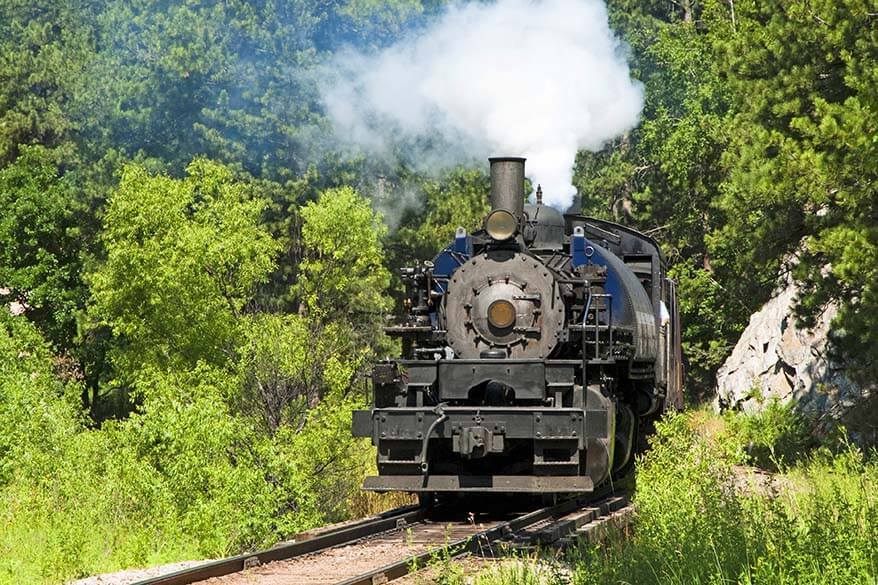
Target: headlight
501, 314
500, 224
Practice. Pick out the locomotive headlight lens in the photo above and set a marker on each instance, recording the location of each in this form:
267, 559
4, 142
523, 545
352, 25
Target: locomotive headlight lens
501, 314
500, 224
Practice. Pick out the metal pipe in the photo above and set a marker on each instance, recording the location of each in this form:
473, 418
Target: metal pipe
507, 184
442, 418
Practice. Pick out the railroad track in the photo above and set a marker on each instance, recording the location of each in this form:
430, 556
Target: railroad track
391, 545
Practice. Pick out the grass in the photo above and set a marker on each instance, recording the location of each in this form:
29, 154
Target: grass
697, 522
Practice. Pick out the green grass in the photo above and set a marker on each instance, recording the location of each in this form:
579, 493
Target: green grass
698, 522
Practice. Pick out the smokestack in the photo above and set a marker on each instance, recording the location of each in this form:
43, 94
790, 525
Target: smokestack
507, 184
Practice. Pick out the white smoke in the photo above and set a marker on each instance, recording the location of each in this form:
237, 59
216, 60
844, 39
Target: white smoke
536, 78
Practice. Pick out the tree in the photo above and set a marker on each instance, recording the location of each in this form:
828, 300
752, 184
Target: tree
234, 81
803, 162
664, 176
343, 277
41, 243
184, 258
38, 413
44, 48
289, 363
456, 199
369, 23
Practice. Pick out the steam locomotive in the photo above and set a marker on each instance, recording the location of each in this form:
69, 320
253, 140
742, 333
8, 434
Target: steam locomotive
537, 353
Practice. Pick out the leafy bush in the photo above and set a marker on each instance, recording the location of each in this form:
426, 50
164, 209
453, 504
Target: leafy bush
37, 412
241, 432
688, 518
182, 478
775, 436
183, 259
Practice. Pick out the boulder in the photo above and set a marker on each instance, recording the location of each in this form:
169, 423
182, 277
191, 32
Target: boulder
777, 359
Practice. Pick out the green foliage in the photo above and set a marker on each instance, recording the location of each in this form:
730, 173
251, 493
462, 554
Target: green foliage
43, 50
802, 161
755, 157
664, 177
288, 363
755, 154
41, 242
241, 433
183, 259
783, 176
713, 320
804, 543
697, 522
693, 521
37, 412
371, 22
330, 465
343, 276
702, 517
185, 477
176, 80
458, 199
773, 438
234, 81
513, 571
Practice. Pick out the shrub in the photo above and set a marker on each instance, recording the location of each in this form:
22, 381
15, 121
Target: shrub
184, 477
773, 437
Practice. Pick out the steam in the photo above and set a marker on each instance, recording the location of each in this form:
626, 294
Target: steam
537, 78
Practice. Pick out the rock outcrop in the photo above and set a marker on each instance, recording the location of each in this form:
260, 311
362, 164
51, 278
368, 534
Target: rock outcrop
775, 358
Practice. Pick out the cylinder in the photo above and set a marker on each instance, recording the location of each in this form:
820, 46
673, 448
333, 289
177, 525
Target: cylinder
507, 184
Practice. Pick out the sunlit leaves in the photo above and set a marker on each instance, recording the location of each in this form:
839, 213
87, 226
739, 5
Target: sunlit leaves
343, 274
41, 242
183, 259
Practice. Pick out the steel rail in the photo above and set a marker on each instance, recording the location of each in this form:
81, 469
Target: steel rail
479, 542
342, 535
387, 521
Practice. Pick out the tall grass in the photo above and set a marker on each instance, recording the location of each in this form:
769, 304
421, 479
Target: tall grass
700, 519
698, 522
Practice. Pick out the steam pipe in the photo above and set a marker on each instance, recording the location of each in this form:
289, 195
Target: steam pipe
507, 184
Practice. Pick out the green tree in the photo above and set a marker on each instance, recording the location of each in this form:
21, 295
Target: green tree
343, 277
41, 242
184, 258
38, 413
664, 177
456, 199
753, 157
369, 23
44, 49
288, 363
234, 81
802, 163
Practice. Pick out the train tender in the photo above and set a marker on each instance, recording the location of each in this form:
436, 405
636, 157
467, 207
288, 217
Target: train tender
537, 352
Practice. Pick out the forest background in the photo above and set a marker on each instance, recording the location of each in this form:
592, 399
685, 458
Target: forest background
202, 279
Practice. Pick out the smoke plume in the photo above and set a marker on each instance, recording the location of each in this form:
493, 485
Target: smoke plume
537, 78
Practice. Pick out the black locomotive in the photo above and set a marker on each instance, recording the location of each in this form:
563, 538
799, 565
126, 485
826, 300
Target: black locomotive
537, 352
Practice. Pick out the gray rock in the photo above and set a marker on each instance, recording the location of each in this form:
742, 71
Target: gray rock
777, 359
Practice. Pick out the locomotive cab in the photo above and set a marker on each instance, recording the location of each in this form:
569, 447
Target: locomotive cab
536, 353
